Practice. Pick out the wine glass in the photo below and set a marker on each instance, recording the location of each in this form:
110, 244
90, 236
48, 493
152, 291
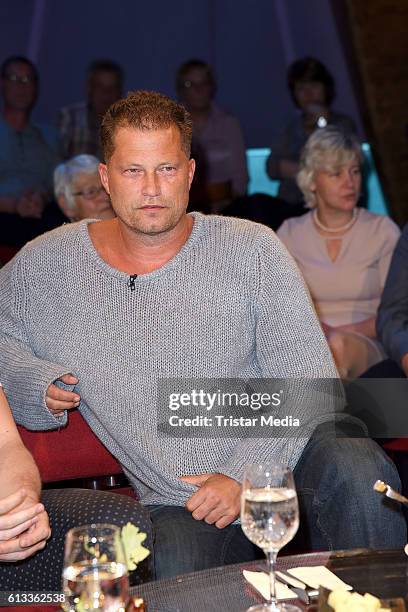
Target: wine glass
95, 574
269, 518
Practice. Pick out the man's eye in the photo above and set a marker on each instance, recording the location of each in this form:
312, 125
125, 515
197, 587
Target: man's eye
168, 169
132, 171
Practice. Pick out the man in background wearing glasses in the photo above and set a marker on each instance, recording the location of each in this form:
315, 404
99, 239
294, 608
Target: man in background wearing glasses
27, 155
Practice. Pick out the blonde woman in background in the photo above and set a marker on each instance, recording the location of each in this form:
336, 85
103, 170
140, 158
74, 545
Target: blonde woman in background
343, 251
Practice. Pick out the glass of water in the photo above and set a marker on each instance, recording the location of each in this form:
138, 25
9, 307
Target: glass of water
95, 574
269, 518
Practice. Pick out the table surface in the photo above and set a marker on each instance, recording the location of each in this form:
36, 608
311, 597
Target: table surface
224, 589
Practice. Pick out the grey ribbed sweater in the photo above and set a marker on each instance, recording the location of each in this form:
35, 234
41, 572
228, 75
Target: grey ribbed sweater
230, 304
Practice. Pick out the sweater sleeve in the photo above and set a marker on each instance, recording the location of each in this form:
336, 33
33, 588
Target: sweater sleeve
392, 320
390, 235
290, 346
24, 375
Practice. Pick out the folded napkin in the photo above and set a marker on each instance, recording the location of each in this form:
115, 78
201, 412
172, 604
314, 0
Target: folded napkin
312, 576
319, 575
260, 581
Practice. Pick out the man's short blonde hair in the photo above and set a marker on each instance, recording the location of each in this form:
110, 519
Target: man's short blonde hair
327, 149
145, 110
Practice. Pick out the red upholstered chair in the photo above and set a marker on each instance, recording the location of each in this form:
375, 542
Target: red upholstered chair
74, 456
396, 445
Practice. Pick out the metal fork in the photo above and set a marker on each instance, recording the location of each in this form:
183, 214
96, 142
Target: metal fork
303, 592
385, 489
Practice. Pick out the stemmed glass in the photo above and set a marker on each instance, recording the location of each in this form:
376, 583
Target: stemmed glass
95, 574
269, 518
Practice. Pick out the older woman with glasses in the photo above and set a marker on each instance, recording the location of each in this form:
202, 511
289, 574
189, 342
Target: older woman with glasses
78, 189
343, 251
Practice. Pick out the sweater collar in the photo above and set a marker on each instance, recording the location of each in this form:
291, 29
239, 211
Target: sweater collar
188, 246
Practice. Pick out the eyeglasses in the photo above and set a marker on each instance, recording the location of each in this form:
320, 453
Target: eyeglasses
89, 193
25, 79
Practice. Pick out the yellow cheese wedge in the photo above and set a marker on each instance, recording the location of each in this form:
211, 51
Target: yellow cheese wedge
344, 601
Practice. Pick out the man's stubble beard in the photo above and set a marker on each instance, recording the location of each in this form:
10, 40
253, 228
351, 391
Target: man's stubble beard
154, 227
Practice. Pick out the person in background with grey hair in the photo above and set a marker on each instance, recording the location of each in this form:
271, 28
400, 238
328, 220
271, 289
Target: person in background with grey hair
343, 251
79, 191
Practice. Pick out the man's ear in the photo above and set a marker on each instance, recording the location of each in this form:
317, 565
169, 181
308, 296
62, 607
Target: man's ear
191, 170
103, 173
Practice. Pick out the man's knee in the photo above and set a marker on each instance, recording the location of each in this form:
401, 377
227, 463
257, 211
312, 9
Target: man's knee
335, 479
354, 463
183, 544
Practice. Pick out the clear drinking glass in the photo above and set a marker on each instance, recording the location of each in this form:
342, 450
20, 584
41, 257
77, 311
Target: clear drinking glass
269, 518
95, 574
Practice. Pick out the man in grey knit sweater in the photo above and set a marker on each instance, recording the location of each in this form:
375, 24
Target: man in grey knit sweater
94, 314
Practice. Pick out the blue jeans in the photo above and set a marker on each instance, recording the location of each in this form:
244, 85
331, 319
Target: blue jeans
183, 545
338, 510
338, 507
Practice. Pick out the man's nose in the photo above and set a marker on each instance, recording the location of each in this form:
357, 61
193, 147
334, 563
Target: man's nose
151, 186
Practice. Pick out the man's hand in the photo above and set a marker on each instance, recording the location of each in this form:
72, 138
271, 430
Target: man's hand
24, 526
58, 400
217, 499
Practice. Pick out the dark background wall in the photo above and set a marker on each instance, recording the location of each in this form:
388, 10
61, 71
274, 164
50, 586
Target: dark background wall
249, 42
379, 35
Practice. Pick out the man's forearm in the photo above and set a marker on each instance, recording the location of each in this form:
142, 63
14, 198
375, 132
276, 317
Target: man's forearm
18, 470
26, 378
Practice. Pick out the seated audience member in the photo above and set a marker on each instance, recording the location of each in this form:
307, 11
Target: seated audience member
31, 555
218, 144
79, 191
392, 317
79, 124
24, 526
27, 155
343, 251
109, 309
312, 89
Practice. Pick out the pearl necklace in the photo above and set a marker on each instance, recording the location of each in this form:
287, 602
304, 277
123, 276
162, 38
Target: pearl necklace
335, 230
